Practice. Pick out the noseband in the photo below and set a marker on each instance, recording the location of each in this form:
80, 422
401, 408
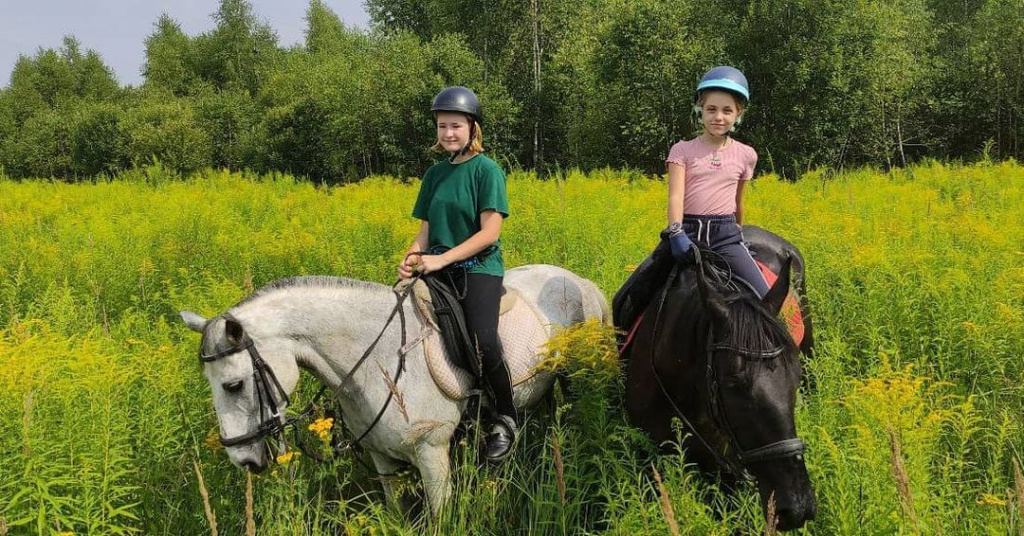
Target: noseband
740, 458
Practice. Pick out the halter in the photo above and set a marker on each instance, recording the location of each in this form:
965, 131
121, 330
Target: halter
741, 458
271, 422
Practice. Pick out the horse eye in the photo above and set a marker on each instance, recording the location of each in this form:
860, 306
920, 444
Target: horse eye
233, 387
737, 381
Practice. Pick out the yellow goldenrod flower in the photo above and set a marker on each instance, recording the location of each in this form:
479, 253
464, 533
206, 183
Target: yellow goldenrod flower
212, 441
991, 500
285, 458
321, 427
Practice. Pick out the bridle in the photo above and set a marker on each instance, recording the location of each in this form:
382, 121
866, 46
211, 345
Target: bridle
740, 458
264, 384
272, 423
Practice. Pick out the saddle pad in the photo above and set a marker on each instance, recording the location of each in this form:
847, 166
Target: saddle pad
790, 308
523, 333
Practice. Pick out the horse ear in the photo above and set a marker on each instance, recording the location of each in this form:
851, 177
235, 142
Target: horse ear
234, 331
776, 295
193, 321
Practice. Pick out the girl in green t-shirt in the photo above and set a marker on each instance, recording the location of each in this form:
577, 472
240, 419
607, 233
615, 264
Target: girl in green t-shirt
462, 204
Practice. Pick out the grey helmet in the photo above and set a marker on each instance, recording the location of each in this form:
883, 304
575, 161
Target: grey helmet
458, 99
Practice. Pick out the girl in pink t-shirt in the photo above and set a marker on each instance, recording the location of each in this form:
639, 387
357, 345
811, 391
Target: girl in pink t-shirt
706, 176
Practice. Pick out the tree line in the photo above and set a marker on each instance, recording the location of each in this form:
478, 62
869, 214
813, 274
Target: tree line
583, 84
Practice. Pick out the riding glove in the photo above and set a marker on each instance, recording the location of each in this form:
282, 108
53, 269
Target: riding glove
683, 249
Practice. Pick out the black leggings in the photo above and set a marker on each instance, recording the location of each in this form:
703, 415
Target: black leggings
480, 304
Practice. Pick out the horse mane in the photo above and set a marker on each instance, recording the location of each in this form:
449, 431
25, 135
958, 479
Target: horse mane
212, 339
749, 325
309, 281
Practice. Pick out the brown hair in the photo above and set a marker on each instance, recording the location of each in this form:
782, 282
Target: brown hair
735, 99
476, 143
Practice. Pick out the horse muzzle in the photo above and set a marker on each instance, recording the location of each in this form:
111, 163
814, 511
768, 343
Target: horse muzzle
788, 485
251, 457
794, 516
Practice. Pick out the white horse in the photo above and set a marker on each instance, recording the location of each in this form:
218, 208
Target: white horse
349, 334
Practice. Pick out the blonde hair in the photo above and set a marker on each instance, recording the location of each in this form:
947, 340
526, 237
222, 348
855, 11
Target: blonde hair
476, 144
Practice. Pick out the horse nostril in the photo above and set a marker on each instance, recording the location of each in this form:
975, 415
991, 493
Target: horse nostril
232, 387
789, 519
253, 467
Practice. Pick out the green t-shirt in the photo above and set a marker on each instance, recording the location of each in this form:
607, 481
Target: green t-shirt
451, 198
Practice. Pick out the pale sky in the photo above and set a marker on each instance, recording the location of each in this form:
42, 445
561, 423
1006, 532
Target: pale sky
116, 29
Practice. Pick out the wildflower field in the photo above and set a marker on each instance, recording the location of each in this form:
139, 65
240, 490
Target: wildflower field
916, 279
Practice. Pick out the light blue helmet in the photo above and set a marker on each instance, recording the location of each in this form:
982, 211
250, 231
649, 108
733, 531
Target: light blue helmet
726, 78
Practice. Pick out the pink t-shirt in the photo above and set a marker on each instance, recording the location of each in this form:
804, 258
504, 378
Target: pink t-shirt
712, 176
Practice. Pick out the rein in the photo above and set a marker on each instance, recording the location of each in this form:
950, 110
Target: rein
741, 458
398, 310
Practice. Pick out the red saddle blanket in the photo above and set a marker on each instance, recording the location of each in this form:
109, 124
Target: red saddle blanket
790, 312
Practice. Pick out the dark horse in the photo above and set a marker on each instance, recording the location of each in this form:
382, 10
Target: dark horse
718, 359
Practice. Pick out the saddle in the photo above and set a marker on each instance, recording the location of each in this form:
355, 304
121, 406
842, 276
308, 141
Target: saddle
522, 329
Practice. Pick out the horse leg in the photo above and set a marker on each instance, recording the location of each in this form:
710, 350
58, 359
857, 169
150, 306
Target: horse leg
435, 471
386, 467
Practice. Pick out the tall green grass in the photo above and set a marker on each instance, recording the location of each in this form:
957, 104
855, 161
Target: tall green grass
916, 279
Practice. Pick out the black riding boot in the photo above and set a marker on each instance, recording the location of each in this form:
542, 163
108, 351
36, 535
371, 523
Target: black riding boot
503, 433
501, 439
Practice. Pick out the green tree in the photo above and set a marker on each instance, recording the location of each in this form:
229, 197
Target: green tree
897, 75
229, 119
639, 69
165, 128
835, 82
997, 67
41, 106
352, 104
514, 40
41, 147
97, 142
171, 58
239, 52
325, 33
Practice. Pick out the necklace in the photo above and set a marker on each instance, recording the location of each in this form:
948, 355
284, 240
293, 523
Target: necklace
716, 160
